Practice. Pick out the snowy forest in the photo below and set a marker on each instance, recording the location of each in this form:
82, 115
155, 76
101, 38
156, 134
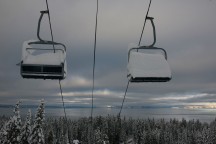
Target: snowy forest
106, 130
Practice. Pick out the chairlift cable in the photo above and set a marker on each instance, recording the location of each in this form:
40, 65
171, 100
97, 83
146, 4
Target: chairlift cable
65, 115
144, 23
119, 115
62, 99
50, 23
93, 76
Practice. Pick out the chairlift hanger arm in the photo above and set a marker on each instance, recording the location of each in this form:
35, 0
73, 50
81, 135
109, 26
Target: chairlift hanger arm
39, 23
152, 45
41, 41
154, 31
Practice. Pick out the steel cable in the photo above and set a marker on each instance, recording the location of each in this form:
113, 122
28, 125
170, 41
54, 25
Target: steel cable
144, 23
50, 24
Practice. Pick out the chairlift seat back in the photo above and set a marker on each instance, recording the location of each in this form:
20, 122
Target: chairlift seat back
148, 67
45, 65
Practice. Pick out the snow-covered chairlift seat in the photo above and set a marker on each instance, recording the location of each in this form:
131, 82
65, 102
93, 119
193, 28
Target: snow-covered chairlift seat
148, 67
48, 64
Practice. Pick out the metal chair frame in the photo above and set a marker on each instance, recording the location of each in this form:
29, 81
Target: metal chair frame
41, 74
150, 47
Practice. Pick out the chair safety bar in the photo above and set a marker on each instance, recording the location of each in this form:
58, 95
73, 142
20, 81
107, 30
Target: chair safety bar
47, 43
44, 49
148, 48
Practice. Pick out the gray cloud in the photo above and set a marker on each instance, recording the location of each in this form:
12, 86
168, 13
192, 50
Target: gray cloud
185, 29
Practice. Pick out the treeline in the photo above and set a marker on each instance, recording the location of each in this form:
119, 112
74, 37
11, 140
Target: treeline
14, 131
112, 130
102, 130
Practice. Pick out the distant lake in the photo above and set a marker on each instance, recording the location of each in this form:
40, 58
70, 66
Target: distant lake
204, 115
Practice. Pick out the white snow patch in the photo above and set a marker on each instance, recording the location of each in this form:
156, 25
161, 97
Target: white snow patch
148, 65
75, 141
46, 58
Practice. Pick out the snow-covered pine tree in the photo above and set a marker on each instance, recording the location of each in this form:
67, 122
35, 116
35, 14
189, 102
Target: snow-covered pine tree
213, 131
26, 129
206, 135
37, 135
98, 137
10, 133
75, 141
50, 139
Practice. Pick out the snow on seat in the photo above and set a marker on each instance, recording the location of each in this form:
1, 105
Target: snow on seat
45, 65
146, 67
47, 58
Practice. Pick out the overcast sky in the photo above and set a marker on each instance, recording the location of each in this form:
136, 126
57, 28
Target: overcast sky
185, 28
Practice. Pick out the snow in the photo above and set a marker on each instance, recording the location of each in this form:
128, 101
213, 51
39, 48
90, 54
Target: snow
47, 58
75, 141
148, 65
37, 136
130, 141
10, 132
26, 45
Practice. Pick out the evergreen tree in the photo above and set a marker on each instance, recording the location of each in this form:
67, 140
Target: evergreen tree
26, 129
206, 135
139, 131
198, 137
213, 131
10, 133
37, 136
98, 139
50, 139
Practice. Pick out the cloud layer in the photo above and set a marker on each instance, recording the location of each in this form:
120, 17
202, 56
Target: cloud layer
185, 29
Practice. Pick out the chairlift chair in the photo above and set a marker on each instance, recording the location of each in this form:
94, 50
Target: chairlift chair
47, 63
145, 66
